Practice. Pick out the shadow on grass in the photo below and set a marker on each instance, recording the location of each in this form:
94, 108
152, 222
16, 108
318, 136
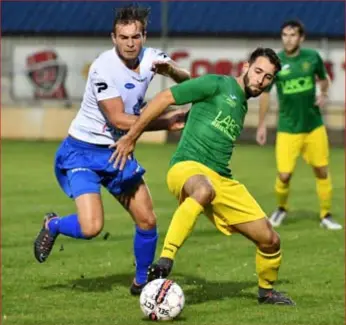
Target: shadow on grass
298, 216
197, 290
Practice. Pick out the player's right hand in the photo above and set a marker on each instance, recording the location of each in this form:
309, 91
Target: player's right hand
123, 147
261, 135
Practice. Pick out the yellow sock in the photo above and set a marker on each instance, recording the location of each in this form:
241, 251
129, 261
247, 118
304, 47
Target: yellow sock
181, 226
281, 190
267, 268
324, 192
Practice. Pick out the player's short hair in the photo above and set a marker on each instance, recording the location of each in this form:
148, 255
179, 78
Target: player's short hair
132, 13
294, 23
267, 53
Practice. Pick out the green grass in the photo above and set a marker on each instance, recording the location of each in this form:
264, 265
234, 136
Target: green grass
87, 282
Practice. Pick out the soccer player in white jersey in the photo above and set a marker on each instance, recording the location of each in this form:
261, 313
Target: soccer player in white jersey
113, 99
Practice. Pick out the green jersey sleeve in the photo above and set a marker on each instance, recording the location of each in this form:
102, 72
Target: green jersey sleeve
320, 68
195, 90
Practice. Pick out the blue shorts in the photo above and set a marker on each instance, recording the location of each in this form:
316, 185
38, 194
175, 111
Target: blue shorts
82, 168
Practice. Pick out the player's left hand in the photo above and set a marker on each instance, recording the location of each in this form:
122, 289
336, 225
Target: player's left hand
123, 147
163, 68
321, 100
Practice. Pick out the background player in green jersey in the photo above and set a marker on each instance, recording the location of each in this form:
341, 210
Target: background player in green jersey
199, 175
300, 126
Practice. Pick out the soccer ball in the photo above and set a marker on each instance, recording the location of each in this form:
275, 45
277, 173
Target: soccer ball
162, 299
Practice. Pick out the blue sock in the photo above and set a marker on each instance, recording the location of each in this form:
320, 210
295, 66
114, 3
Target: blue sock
68, 226
144, 249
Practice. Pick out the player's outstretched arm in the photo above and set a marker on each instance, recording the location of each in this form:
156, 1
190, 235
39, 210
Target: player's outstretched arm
154, 109
126, 144
114, 111
191, 91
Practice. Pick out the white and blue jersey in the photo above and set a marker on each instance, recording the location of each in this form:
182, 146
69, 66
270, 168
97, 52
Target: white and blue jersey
81, 163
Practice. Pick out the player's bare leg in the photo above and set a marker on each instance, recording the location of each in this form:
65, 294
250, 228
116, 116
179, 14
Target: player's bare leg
281, 189
268, 259
90, 214
324, 192
197, 193
139, 204
90, 218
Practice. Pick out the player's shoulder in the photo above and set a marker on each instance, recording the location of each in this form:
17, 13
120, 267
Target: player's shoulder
211, 77
103, 60
215, 81
308, 52
154, 54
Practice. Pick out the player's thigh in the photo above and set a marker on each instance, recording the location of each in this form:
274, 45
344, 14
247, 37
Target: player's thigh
316, 148
180, 173
138, 202
287, 149
233, 205
85, 187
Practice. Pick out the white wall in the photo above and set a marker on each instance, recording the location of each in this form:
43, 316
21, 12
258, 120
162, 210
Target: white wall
78, 53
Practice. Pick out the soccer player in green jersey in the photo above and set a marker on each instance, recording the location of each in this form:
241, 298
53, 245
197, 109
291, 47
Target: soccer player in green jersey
199, 175
300, 126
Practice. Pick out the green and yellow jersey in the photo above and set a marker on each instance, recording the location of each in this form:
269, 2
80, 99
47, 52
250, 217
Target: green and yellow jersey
215, 120
296, 91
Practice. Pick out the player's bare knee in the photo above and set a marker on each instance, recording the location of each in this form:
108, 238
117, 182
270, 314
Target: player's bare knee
148, 222
275, 242
270, 243
321, 172
204, 194
145, 218
92, 229
270, 240
285, 177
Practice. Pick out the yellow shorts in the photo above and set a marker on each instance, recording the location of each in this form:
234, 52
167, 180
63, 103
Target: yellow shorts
313, 146
232, 204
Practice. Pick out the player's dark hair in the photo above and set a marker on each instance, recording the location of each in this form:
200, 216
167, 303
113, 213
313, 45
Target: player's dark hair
132, 13
294, 23
267, 53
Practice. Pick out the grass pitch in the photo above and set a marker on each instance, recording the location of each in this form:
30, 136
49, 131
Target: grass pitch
87, 282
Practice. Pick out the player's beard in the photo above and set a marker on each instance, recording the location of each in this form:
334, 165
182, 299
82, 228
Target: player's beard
248, 91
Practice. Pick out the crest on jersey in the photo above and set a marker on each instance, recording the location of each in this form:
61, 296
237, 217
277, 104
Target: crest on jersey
47, 75
285, 70
306, 66
231, 100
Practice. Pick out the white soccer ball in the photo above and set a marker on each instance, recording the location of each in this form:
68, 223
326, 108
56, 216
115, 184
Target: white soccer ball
162, 299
